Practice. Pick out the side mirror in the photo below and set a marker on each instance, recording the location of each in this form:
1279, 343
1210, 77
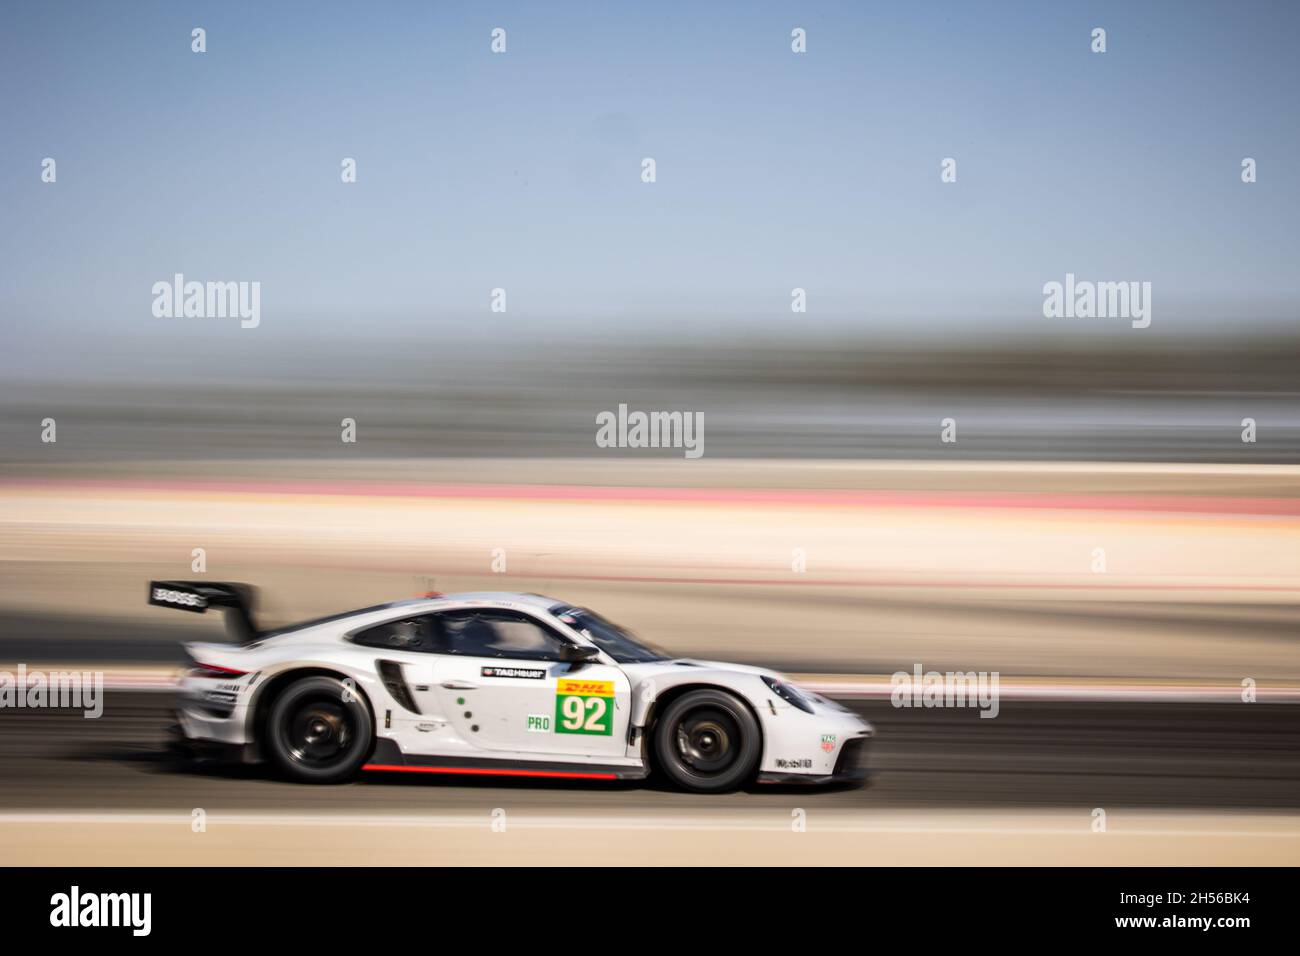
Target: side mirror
578, 654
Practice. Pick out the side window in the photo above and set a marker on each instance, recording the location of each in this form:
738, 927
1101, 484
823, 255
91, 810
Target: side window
491, 633
404, 634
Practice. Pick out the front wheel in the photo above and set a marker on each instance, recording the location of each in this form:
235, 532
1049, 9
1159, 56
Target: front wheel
318, 731
707, 740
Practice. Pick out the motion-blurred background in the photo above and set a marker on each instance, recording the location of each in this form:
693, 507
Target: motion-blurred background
1099, 517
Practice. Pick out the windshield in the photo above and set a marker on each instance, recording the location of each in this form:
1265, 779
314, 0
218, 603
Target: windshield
615, 641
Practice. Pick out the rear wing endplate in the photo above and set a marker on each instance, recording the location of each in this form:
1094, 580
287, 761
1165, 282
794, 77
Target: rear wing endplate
237, 600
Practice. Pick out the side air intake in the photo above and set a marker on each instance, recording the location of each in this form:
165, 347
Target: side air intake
390, 672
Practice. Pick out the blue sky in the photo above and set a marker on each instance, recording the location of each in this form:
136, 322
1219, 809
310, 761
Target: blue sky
775, 170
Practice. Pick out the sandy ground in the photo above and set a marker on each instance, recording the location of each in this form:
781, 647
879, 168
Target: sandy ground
905, 838
1169, 571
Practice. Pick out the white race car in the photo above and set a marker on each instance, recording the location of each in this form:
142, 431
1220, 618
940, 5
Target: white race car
496, 683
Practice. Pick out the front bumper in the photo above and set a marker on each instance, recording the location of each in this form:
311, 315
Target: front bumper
850, 767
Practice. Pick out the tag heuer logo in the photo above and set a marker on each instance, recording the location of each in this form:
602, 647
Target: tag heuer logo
828, 742
529, 673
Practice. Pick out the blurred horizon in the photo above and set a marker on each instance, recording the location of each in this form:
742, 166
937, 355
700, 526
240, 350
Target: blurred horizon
521, 171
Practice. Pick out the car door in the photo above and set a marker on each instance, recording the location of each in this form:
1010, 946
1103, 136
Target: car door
500, 680
404, 656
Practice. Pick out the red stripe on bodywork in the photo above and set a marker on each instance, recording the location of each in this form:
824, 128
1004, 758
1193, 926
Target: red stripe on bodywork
493, 772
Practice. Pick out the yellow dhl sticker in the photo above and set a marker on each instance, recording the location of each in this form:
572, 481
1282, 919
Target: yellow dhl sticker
586, 688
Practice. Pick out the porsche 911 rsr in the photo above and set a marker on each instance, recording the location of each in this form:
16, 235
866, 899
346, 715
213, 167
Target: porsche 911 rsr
496, 683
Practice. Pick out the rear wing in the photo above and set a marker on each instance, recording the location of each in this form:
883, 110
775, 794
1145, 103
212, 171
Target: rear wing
197, 596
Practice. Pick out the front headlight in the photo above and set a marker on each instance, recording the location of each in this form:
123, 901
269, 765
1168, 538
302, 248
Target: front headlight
789, 693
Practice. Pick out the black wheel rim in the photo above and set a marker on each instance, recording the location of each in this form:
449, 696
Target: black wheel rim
708, 740
320, 733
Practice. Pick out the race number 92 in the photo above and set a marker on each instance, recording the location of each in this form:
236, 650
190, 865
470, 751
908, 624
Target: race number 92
584, 707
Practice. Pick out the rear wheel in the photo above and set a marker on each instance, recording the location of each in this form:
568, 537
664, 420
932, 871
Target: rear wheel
318, 731
707, 740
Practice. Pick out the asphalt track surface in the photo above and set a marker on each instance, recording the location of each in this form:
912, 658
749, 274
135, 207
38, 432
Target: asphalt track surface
1034, 755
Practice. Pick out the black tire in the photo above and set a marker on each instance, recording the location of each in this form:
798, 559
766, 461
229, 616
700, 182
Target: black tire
707, 741
319, 732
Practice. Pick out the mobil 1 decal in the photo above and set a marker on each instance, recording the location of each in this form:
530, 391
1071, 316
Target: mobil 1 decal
584, 707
